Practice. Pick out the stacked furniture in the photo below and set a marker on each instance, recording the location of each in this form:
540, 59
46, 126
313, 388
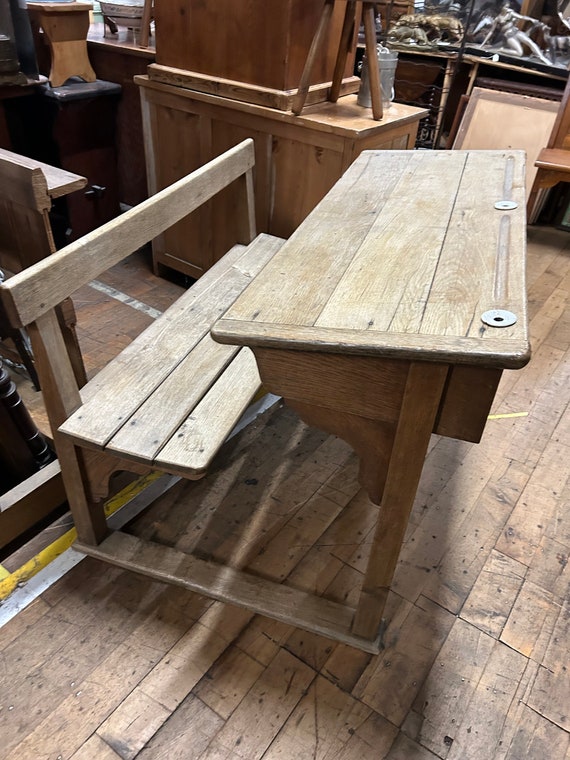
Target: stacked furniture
231, 70
32, 488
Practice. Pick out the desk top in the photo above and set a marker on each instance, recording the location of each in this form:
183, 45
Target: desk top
400, 259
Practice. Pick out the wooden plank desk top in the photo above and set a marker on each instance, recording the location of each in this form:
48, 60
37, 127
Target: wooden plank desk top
400, 259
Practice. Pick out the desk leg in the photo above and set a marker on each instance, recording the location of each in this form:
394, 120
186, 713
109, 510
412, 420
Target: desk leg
386, 410
422, 396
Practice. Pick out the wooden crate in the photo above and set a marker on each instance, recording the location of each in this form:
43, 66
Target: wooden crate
263, 43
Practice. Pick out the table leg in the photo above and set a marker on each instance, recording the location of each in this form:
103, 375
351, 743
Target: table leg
424, 388
386, 410
145, 23
343, 50
316, 46
373, 71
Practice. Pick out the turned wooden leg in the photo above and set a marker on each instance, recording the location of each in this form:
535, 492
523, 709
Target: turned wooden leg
424, 389
314, 50
343, 50
373, 71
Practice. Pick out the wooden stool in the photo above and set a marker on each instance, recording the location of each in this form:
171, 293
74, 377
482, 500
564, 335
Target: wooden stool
65, 26
317, 44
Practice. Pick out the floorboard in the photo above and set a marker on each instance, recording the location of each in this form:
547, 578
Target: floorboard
107, 665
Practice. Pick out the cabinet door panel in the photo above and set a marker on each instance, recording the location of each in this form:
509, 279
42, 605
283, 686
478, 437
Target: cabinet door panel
225, 135
302, 175
177, 144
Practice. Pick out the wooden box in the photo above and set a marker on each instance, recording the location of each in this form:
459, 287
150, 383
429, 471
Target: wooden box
263, 43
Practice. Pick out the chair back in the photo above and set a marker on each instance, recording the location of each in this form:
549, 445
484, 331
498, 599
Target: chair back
560, 135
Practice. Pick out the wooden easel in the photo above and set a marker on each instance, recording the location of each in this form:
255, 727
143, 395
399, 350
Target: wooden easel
347, 34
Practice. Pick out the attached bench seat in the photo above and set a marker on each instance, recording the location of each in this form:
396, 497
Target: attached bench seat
170, 399
172, 396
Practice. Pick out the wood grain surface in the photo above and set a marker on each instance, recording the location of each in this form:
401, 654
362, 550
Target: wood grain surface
401, 258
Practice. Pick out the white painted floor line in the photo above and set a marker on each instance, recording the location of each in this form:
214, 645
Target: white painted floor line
124, 298
30, 590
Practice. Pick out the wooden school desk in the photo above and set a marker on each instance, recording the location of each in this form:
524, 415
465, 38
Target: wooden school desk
386, 317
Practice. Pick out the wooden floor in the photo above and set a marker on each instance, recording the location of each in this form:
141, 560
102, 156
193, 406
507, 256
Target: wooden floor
107, 665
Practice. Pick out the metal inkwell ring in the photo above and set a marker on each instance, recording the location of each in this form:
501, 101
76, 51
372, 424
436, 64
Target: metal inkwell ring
506, 205
498, 318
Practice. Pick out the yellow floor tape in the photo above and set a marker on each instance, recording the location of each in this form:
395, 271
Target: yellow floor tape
507, 416
10, 581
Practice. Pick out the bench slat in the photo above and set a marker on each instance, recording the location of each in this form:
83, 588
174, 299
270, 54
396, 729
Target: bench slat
155, 332
146, 363
193, 446
162, 414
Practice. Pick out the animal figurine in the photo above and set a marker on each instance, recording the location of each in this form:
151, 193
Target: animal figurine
437, 28
409, 35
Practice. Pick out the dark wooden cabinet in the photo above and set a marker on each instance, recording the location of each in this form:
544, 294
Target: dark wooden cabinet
72, 127
119, 62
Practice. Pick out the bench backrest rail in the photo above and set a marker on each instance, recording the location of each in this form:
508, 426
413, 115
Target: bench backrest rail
28, 298
38, 289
